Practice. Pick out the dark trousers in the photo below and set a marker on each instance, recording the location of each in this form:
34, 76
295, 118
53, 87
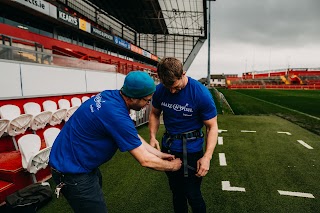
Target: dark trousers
186, 189
82, 191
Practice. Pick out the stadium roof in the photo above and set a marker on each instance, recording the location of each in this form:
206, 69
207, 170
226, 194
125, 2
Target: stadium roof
174, 17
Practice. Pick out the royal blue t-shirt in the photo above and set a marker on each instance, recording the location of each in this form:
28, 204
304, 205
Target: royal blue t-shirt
92, 135
185, 111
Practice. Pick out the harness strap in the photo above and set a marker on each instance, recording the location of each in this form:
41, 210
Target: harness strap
169, 142
185, 156
184, 137
189, 135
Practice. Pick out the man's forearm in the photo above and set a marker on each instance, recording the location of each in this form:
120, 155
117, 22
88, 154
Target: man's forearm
150, 148
147, 159
210, 144
212, 138
154, 123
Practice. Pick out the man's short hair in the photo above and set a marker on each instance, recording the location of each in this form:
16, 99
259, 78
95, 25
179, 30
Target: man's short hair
169, 70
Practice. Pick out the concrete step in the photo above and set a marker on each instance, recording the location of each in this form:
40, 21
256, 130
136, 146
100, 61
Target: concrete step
10, 165
6, 188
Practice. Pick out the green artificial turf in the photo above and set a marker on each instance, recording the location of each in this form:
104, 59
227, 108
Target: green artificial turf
262, 162
301, 107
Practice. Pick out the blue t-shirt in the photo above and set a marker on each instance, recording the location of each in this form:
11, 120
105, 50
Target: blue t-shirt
92, 135
185, 111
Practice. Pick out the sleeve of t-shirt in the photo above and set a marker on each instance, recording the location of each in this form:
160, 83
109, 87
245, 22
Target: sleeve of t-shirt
207, 106
156, 97
122, 130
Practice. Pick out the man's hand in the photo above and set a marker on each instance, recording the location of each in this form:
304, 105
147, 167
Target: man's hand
155, 143
176, 164
166, 156
203, 166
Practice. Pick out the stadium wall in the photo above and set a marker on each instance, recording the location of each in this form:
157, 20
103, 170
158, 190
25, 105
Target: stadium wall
22, 80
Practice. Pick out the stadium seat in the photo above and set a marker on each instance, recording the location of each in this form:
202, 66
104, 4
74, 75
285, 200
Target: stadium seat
3, 126
58, 115
9, 111
75, 101
18, 123
33, 159
29, 145
65, 104
50, 135
38, 161
40, 119
141, 113
84, 98
133, 115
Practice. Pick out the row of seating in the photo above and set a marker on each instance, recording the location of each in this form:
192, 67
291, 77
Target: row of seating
15, 123
27, 165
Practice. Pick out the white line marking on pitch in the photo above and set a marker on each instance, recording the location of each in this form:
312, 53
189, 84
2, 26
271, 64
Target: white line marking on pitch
304, 144
288, 133
220, 140
226, 187
247, 131
296, 194
222, 130
222, 159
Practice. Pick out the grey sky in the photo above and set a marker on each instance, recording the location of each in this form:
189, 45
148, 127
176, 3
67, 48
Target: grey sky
259, 35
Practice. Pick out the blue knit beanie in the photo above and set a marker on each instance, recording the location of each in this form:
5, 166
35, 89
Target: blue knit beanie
138, 84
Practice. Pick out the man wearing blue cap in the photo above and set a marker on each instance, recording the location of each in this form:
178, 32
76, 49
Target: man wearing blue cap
93, 134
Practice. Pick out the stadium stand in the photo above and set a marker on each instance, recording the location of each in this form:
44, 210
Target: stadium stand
46, 58
295, 78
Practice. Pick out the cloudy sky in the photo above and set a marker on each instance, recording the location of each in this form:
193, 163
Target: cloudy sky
260, 35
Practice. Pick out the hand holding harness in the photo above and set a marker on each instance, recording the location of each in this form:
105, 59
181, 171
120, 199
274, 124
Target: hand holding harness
190, 135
